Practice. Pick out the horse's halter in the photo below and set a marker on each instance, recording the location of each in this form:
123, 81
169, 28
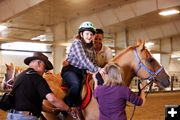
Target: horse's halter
11, 79
141, 65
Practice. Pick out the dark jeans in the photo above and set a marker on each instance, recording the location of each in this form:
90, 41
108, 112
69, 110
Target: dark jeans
73, 77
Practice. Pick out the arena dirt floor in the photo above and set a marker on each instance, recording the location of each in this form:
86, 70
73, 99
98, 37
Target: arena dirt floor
154, 109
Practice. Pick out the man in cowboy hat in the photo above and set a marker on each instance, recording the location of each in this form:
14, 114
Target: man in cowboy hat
32, 88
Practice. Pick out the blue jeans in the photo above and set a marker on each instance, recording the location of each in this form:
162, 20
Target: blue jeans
15, 116
73, 77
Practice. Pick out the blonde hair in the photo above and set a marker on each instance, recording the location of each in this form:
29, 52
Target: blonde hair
114, 74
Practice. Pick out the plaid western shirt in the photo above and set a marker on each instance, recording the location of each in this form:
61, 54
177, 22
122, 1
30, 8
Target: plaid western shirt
81, 57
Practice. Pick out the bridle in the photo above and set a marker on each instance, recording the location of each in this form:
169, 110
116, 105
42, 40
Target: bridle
7, 82
151, 77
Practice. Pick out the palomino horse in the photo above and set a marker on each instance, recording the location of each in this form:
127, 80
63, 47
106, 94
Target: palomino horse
134, 61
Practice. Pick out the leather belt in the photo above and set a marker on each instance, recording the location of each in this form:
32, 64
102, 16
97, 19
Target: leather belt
26, 113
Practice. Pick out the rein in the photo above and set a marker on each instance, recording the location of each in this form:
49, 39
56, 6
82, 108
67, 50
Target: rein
139, 92
151, 78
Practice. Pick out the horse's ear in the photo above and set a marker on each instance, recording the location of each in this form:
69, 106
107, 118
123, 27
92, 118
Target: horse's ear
6, 65
138, 42
142, 45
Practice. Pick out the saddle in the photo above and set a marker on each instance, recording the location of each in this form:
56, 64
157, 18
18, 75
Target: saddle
86, 93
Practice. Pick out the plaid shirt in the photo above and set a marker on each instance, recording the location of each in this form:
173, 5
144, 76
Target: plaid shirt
81, 57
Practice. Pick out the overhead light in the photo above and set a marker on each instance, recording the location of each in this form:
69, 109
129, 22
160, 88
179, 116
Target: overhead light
149, 44
2, 27
25, 46
40, 37
174, 56
169, 12
16, 53
44, 37
66, 44
178, 59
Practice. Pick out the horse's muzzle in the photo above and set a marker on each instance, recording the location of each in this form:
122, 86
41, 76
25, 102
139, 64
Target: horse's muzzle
164, 82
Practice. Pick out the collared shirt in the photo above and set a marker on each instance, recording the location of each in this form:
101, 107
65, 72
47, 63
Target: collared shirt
81, 57
29, 95
103, 56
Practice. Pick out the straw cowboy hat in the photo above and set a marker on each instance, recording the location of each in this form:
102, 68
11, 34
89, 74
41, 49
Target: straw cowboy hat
39, 56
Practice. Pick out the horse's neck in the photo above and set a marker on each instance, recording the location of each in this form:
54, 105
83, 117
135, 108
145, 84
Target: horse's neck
128, 76
125, 60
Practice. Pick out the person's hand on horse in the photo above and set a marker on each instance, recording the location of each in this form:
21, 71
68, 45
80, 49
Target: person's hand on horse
102, 71
94, 76
88, 72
